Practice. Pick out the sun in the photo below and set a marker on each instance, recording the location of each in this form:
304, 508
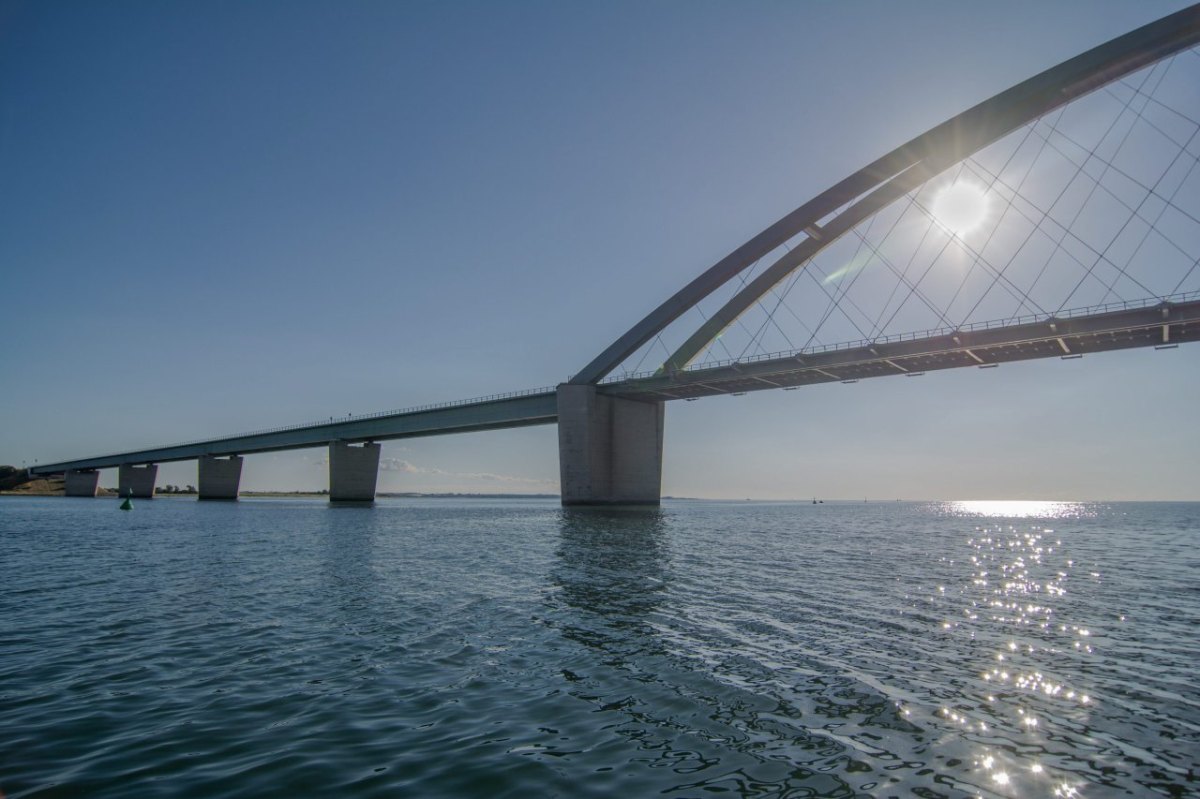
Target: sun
961, 207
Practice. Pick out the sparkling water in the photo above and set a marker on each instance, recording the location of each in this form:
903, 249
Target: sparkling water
509, 648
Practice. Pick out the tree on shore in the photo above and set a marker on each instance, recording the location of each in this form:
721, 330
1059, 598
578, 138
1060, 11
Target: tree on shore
174, 489
11, 477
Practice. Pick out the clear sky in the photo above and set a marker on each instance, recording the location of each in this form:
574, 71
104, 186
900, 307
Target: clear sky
225, 216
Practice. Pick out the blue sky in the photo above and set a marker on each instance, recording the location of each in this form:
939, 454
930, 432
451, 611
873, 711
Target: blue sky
227, 216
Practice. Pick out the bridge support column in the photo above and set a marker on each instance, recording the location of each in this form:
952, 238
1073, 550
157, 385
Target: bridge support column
137, 481
82, 482
609, 448
353, 471
219, 477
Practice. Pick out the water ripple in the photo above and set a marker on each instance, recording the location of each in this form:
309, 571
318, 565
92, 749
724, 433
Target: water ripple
511, 648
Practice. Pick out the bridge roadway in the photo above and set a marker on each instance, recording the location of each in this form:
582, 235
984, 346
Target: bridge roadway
1068, 335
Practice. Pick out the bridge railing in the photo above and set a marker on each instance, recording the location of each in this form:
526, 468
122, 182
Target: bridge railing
1012, 321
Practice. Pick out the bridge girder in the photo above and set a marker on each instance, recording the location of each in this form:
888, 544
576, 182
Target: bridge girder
1152, 326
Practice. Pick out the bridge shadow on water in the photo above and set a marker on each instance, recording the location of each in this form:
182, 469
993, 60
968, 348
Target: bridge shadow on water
613, 567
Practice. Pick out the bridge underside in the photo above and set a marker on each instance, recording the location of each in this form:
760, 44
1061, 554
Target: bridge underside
1156, 326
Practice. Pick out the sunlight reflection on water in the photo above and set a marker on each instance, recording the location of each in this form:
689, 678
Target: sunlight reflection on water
1010, 601
1016, 508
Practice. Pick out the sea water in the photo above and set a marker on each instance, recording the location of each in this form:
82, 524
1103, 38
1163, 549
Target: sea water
510, 648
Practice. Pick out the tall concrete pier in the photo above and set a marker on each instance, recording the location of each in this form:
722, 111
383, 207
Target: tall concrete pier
137, 481
219, 477
609, 448
82, 482
353, 471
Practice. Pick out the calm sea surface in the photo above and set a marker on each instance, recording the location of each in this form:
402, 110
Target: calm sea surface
509, 648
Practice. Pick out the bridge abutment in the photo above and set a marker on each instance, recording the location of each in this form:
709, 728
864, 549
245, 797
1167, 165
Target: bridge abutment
137, 481
82, 482
219, 477
609, 448
353, 471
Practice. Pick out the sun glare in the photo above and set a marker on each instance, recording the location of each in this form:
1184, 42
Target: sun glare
961, 207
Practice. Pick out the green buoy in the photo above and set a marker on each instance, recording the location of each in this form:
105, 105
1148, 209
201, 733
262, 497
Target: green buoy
128, 503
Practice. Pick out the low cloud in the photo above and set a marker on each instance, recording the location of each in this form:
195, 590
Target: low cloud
408, 467
323, 460
402, 466
397, 465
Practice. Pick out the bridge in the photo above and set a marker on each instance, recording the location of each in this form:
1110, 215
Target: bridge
1093, 164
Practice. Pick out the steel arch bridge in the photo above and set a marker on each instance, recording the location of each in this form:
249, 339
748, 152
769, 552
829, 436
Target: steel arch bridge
891, 177
611, 426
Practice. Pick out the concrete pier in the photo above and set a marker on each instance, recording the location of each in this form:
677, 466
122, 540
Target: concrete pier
219, 477
609, 448
82, 482
353, 471
137, 481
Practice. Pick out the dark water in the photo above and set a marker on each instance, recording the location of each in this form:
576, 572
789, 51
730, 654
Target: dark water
511, 649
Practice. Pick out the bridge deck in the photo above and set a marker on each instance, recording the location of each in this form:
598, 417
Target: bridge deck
528, 408
981, 345
1072, 335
